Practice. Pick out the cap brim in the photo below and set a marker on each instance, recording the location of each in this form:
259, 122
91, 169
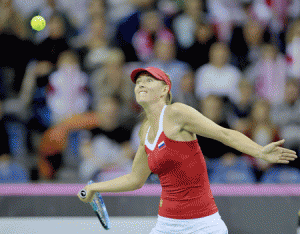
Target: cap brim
135, 73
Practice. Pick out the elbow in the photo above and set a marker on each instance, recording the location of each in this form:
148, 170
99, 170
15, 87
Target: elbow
136, 182
139, 185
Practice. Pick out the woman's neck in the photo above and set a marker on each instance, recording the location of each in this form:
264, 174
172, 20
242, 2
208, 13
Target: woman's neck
153, 112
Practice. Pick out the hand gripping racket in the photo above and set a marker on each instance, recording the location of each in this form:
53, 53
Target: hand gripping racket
99, 207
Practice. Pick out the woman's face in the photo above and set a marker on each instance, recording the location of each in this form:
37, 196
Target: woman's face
149, 89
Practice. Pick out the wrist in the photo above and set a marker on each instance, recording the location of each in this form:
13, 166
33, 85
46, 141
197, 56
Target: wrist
259, 153
92, 187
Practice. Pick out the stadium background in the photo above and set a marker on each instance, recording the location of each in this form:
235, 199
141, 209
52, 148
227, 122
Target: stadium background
68, 112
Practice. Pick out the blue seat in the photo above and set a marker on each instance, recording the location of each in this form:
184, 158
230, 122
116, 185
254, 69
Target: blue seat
15, 173
16, 139
280, 175
71, 153
240, 172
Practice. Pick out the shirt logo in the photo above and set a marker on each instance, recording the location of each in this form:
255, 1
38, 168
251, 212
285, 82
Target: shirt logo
161, 145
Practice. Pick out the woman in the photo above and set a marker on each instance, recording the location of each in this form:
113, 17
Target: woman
169, 148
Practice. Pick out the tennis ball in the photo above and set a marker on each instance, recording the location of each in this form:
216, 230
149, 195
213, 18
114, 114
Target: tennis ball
38, 23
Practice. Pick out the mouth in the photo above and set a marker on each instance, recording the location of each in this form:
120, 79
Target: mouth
142, 92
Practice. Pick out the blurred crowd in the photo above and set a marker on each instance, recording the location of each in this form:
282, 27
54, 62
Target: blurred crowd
68, 111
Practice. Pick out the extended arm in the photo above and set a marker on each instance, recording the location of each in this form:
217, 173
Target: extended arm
193, 121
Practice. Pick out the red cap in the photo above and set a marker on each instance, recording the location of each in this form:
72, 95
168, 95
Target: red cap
154, 71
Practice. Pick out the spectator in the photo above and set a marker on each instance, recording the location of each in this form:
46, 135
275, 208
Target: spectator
67, 93
55, 43
212, 107
108, 151
269, 74
165, 59
117, 11
93, 45
217, 77
28, 110
5, 148
54, 141
245, 43
286, 116
13, 41
293, 49
263, 131
151, 29
294, 9
34, 98
225, 14
96, 8
240, 109
273, 14
185, 24
111, 80
197, 54
10, 171
128, 27
187, 88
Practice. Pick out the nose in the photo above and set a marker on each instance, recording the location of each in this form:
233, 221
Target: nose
141, 85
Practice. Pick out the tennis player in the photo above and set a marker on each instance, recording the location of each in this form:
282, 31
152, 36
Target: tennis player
169, 148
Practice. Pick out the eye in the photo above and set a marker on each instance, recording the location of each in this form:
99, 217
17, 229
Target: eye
149, 80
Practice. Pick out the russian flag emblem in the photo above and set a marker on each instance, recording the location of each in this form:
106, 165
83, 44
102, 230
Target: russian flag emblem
161, 145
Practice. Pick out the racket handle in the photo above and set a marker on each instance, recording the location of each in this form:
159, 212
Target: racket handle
82, 193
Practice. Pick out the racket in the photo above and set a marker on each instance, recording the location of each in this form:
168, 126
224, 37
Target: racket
99, 207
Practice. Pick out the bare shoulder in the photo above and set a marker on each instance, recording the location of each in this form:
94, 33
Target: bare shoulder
178, 108
143, 131
177, 111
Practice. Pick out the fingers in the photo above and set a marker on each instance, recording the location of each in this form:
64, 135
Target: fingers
279, 142
283, 161
288, 153
284, 150
287, 158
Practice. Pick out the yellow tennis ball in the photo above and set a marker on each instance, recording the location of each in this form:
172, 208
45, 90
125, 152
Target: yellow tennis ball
38, 23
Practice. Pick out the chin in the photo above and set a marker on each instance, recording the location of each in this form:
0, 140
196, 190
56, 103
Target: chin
142, 101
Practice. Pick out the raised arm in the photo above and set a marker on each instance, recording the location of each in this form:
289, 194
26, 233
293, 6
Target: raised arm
193, 121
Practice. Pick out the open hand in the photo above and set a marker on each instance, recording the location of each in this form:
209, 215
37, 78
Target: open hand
273, 153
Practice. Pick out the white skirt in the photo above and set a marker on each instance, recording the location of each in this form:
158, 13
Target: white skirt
212, 224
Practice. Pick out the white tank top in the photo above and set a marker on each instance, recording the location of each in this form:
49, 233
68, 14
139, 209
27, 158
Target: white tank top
160, 130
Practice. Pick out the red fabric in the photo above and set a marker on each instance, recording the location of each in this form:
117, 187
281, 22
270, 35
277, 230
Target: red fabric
269, 2
155, 72
289, 59
182, 172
